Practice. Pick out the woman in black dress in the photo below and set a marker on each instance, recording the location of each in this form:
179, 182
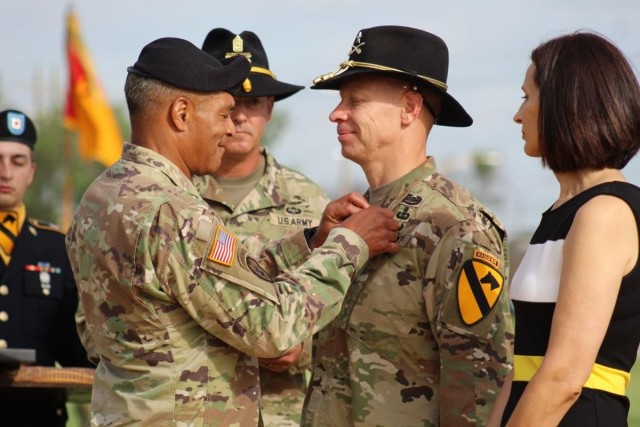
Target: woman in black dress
577, 291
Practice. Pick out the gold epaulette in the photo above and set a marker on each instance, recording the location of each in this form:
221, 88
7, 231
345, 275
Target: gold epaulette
45, 225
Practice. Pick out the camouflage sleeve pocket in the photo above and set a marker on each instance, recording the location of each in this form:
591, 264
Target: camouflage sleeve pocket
382, 323
224, 257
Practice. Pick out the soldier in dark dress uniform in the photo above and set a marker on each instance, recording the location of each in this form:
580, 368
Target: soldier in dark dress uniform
38, 295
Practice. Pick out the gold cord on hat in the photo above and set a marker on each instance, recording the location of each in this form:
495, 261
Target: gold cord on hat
352, 64
263, 71
247, 86
237, 45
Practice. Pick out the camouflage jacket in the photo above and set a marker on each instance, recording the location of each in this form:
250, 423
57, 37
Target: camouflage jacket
424, 335
177, 309
283, 201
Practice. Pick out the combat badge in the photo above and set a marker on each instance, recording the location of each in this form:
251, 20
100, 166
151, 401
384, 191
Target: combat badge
257, 269
412, 200
298, 214
479, 287
223, 248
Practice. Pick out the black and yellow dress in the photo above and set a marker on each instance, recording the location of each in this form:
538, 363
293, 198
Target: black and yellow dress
534, 293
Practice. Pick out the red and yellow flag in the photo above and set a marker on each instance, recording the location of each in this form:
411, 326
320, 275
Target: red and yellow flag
87, 111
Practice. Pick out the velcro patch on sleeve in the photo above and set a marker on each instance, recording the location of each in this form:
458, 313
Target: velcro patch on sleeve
223, 248
479, 287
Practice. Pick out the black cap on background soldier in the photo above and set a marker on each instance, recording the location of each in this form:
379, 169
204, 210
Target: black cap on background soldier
222, 43
181, 64
16, 126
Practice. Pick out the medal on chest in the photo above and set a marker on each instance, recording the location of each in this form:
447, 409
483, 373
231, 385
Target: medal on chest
45, 270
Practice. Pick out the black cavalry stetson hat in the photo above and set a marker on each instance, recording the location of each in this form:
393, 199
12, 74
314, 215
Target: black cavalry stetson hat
16, 126
404, 53
181, 64
222, 43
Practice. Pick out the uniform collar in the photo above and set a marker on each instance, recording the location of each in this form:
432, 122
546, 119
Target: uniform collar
404, 184
271, 190
152, 159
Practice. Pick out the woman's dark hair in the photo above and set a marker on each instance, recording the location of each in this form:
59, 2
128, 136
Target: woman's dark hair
589, 103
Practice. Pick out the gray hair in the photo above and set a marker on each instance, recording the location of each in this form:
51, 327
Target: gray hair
145, 94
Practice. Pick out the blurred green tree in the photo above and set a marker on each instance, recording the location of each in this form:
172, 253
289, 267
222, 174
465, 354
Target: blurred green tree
56, 161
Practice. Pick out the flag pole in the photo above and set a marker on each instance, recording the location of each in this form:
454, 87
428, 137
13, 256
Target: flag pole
67, 189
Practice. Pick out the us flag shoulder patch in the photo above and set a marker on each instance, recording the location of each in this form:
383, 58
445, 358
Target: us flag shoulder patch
223, 249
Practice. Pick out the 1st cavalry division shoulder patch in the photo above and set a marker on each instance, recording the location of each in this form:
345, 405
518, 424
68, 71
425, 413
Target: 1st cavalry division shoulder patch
479, 287
223, 248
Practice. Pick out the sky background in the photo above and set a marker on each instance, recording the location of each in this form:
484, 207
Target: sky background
489, 45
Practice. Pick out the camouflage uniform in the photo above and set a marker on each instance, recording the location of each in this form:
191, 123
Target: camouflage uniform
424, 335
177, 313
282, 202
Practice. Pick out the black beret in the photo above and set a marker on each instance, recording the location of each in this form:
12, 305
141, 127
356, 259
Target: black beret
181, 64
16, 126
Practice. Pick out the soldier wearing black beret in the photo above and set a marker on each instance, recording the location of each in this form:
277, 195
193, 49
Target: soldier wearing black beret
38, 296
176, 308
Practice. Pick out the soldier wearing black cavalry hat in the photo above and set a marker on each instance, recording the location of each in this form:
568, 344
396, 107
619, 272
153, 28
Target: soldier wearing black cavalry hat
38, 295
424, 334
262, 200
177, 309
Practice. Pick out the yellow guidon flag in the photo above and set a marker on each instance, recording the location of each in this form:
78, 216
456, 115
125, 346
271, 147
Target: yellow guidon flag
479, 287
87, 111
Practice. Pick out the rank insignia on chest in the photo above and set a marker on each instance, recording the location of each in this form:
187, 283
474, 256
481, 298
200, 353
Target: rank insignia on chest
223, 248
412, 200
479, 287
